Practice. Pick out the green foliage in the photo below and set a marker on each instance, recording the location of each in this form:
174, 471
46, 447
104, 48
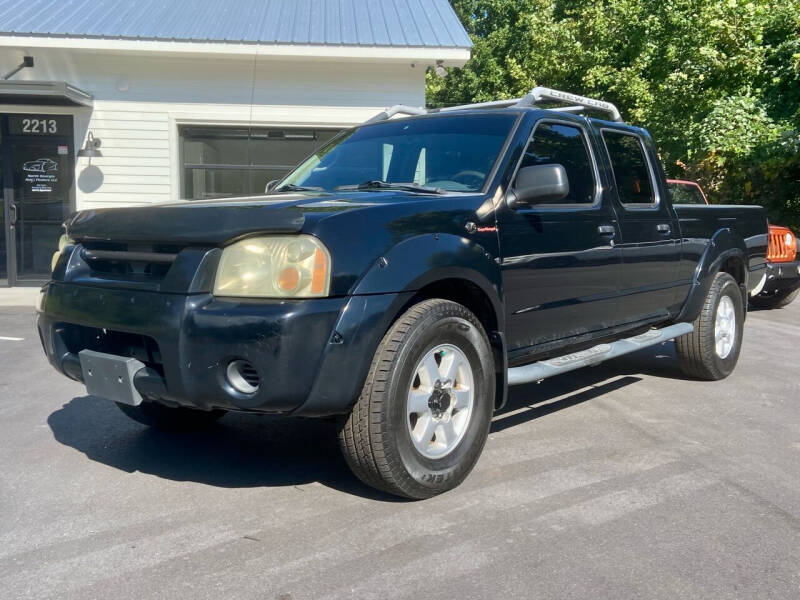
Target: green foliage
717, 82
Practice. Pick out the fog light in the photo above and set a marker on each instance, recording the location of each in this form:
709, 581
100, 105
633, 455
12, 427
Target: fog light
243, 377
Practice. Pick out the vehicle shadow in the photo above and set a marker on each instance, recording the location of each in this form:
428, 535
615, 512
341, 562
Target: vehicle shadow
576, 387
240, 451
753, 308
245, 450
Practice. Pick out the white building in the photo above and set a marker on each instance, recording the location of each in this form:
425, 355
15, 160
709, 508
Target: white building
190, 98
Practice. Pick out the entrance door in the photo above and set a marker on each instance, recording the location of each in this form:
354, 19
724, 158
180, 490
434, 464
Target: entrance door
38, 171
3, 219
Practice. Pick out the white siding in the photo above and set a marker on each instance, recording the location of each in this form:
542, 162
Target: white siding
141, 100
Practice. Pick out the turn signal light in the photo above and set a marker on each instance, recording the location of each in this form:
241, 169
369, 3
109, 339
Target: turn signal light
63, 242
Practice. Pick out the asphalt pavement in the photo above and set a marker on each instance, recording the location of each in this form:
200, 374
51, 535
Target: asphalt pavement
620, 481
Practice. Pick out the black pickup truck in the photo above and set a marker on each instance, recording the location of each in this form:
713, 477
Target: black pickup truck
401, 278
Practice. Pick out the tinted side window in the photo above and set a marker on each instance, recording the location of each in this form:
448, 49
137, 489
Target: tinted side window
631, 171
554, 143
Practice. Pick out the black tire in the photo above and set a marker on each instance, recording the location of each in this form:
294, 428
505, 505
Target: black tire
775, 300
375, 439
160, 416
697, 350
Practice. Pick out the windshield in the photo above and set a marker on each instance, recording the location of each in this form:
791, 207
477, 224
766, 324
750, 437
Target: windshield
452, 153
686, 194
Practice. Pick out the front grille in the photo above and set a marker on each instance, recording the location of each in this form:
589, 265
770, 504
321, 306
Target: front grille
118, 343
778, 250
147, 261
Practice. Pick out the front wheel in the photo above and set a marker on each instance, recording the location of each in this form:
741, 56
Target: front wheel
160, 416
711, 351
424, 413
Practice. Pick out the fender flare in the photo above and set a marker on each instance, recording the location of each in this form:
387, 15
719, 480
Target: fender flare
382, 294
425, 259
723, 245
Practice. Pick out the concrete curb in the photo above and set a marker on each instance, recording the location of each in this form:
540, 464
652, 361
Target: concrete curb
19, 296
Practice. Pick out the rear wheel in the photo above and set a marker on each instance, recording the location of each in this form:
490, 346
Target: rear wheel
776, 299
423, 416
711, 351
160, 416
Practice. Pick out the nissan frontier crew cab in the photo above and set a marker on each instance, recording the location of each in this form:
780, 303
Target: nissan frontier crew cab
401, 278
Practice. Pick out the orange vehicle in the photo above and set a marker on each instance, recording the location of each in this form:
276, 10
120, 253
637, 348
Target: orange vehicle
783, 270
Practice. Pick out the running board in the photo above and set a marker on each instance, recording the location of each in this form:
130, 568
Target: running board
593, 356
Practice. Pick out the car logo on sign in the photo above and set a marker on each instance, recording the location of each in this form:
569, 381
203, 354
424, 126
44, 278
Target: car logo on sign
40, 165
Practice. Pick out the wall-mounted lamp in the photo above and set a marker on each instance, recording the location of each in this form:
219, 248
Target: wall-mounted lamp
439, 69
26, 62
92, 147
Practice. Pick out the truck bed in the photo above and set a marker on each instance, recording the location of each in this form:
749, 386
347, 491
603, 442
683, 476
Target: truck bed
700, 224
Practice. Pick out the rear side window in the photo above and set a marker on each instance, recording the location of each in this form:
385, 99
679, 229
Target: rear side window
631, 171
556, 143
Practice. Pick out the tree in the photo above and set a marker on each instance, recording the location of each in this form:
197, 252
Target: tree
717, 82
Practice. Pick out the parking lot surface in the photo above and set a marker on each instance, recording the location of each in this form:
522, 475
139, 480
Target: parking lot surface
620, 481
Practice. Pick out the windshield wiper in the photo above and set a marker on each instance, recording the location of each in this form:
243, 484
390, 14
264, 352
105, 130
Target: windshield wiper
377, 184
290, 187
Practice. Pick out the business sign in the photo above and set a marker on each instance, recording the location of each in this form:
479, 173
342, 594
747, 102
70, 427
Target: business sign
39, 125
40, 175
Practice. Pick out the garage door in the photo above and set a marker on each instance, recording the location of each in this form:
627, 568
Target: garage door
223, 162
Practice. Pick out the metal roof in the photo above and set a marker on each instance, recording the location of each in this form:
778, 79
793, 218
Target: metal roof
409, 23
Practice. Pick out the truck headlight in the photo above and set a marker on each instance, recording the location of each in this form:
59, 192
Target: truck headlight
275, 266
63, 242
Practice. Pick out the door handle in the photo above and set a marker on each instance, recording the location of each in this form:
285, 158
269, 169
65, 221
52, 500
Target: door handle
12, 216
663, 228
607, 230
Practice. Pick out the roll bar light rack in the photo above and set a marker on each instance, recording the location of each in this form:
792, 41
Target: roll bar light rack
578, 104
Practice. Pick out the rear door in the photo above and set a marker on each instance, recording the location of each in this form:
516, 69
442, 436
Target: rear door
650, 234
560, 266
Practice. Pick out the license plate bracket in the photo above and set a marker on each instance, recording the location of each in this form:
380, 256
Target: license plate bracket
110, 376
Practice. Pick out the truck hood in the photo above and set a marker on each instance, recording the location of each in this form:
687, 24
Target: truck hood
207, 221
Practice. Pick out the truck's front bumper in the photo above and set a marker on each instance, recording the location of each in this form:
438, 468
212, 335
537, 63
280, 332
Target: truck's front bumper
782, 277
311, 356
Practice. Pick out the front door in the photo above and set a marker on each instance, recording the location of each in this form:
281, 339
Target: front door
561, 269
37, 175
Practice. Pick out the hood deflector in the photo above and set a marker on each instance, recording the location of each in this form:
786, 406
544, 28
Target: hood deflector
187, 223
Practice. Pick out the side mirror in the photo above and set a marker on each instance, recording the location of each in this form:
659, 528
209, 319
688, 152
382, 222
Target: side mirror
540, 184
271, 185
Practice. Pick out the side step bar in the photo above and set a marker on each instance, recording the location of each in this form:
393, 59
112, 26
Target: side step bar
593, 356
